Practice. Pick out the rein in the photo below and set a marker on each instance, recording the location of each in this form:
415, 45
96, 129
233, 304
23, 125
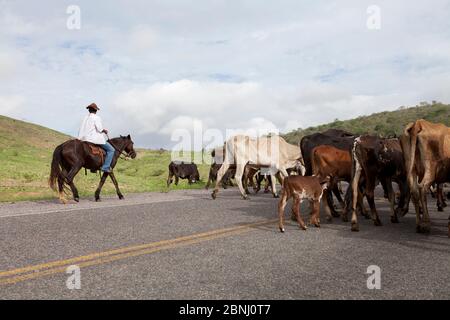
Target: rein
121, 152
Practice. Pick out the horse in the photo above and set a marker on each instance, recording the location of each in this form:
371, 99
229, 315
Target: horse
72, 155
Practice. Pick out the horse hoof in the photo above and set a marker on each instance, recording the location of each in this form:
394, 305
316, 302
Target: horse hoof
355, 227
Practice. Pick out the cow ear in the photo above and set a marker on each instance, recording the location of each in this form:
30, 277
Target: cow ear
121, 136
129, 137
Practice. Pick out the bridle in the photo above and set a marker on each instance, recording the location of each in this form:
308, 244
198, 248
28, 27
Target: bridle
122, 154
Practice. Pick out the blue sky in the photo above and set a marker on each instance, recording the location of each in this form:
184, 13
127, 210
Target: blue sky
155, 66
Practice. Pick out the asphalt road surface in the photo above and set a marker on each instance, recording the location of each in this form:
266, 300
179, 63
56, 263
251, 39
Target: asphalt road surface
184, 245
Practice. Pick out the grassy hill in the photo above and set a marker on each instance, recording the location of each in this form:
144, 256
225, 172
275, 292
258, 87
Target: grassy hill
382, 123
25, 155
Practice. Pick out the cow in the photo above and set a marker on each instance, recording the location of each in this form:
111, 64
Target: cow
272, 152
378, 159
299, 188
181, 170
426, 148
337, 164
226, 180
337, 138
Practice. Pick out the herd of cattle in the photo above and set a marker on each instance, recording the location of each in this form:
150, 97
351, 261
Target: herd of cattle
416, 161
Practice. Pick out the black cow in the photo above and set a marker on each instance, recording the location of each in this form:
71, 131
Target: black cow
378, 159
183, 170
337, 138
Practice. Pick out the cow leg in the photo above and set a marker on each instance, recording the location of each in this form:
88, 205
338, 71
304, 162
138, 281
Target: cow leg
440, 197
296, 211
385, 189
220, 174
337, 194
266, 184
391, 197
326, 206
100, 185
116, 185
273, 184
315, 213
425, 224
245, 179
370, 195
259, 179
355, 184
403, 201
208, 183
281, 206
169, 179
239, 173
330, 202
176, 180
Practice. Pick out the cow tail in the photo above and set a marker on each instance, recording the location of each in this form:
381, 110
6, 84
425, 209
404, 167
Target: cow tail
412, 130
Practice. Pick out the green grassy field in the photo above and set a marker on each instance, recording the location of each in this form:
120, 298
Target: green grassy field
25, 156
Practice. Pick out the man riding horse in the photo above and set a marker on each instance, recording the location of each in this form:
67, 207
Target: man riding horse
92, 130
88, 152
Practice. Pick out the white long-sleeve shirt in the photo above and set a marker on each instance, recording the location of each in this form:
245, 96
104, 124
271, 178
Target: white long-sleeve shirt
91, 129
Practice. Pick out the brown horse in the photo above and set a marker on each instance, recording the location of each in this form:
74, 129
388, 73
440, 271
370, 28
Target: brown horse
72, 155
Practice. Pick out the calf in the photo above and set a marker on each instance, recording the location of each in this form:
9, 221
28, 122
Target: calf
299, 188
183, 170
226, 180
378, 159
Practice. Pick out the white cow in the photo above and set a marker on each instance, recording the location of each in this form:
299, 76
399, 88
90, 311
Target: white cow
272, 152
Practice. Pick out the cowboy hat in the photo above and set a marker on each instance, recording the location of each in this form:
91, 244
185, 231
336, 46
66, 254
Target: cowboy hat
93, 106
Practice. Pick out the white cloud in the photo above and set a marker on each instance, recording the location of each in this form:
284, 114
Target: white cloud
12, 106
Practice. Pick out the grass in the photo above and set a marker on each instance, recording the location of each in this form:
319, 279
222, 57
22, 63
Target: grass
25, 156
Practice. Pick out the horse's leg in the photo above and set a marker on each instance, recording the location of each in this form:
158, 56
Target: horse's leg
100, 185
114, 180
70, 176
62, 198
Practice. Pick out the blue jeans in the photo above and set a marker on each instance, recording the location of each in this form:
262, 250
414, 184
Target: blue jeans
109, 155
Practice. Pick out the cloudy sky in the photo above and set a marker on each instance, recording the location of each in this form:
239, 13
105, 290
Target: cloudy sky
156, 66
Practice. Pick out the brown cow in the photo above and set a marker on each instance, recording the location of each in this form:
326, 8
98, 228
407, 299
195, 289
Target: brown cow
426, 148
327, 160
299, 188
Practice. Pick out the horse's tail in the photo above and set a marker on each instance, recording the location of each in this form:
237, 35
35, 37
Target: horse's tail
55, 172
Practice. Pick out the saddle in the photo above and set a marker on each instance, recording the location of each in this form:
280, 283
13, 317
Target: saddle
95, 150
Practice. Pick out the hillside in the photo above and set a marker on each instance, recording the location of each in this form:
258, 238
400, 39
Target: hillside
383, 123
25, 155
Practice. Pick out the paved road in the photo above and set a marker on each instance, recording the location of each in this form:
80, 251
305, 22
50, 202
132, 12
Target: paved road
184, 245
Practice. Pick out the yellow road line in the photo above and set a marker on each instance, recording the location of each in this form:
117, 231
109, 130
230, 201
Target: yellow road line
31, 272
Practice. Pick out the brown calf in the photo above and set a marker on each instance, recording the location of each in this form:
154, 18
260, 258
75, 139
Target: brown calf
299, 188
